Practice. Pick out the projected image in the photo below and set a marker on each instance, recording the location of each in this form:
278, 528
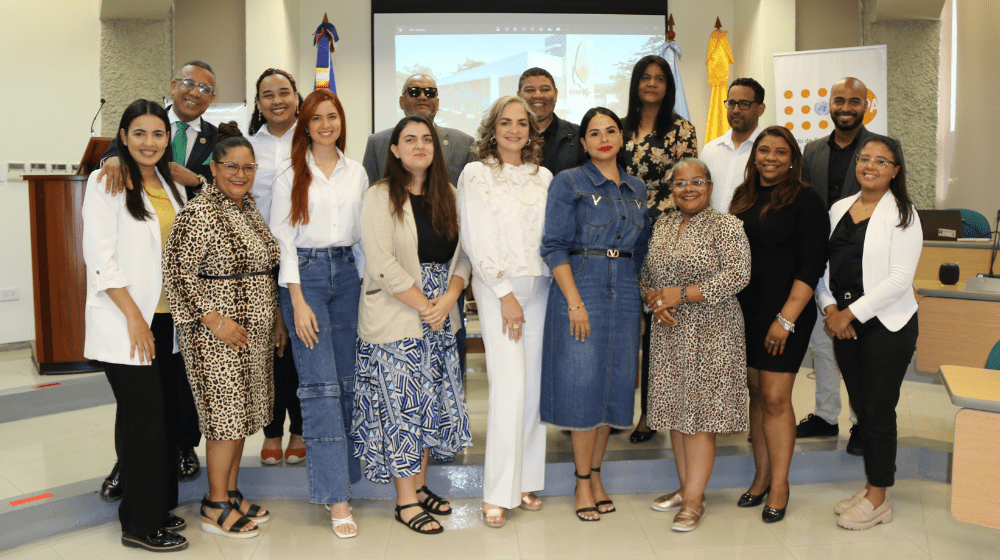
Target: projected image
589, 70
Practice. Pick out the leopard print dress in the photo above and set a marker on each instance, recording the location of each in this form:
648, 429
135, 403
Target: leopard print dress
697, 371
233, 390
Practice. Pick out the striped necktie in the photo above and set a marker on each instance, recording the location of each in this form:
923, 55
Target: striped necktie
180, 143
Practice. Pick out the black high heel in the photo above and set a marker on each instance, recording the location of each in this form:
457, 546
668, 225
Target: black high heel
585, 509
771, 515
748, 500
603, 502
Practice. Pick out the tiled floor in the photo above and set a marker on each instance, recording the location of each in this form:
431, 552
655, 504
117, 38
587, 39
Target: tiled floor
49, 451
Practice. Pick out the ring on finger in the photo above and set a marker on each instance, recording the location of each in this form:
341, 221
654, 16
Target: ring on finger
659, 302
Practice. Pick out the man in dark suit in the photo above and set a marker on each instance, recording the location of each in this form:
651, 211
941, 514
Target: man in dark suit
192, 141
420, 97
561, 148
828, 165
193, 91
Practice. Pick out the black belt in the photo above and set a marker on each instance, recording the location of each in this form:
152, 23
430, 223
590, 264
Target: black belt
847, 297
610, 253
269, 272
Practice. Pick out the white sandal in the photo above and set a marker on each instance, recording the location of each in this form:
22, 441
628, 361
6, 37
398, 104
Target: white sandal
349, 520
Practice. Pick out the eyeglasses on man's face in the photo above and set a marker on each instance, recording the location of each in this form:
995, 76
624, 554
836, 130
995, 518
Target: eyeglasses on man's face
189, 84
429, 92
744, 104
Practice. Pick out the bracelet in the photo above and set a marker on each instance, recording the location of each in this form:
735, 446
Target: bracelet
219, 327
785, 323
575, 308
684, 295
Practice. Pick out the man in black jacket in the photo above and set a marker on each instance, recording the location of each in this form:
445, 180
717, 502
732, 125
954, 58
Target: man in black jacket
561, 147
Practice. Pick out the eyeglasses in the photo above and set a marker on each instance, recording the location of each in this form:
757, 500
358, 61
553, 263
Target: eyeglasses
697, 184
865, 160
732, 103
189, 84
233, 168
414, 92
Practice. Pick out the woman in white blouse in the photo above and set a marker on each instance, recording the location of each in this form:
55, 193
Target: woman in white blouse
276, 107
503, 195
316, 217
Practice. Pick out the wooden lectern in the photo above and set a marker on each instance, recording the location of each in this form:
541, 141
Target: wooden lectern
60, 276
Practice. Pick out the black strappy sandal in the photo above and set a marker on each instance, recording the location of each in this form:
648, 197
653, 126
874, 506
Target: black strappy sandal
586, 509
256, 513
214, 526
434, 503
418, 521
603, 502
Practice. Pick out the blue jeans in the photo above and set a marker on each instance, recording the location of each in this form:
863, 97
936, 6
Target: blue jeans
330, 285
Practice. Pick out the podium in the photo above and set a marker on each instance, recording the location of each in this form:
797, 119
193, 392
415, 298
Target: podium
59, 273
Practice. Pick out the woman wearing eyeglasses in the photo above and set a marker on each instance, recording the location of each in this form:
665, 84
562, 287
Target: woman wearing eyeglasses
783, 219
218, 269
316, 216
870, 310
698, 260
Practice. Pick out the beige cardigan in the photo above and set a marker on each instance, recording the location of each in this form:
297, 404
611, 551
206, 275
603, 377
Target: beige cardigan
392, 265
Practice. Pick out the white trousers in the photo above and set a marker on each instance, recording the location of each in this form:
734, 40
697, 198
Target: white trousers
515, 436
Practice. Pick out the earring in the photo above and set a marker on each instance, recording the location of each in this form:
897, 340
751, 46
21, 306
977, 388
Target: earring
493, 139
528, 143
791, 166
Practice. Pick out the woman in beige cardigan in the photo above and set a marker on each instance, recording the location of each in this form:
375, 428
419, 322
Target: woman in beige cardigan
409, 399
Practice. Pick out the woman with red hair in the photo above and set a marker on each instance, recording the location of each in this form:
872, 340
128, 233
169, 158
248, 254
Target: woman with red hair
316, 217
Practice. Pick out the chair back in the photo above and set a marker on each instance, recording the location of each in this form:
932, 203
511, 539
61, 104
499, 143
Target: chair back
974, 224
993, 360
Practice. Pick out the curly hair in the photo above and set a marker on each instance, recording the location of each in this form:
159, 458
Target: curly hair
257, 119
486, 144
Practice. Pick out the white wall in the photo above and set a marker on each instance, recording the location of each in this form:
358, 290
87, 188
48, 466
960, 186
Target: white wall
758, 36
278, 20
49, 55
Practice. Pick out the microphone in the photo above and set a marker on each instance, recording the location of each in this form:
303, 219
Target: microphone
95, 117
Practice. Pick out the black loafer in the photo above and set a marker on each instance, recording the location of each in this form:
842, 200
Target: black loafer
111, 488
855, 444
749, 500
160, 541
172, 522
188, 466
639, 437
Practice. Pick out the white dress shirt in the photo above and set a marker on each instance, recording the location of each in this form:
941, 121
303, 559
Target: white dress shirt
503, 215
193, 130
334, 214
271, 152
728, 165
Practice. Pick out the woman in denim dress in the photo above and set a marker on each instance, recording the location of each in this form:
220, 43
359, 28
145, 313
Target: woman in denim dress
596, 235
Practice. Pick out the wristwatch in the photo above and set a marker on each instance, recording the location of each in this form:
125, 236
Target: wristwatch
785, 323
202, 181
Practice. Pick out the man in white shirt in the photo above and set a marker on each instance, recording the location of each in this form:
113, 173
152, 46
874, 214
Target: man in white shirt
727, 155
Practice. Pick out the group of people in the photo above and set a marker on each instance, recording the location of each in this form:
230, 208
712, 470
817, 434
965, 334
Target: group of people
300, 281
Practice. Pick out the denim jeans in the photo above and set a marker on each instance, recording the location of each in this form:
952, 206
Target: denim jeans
330, 285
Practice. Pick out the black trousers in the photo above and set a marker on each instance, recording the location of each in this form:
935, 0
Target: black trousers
873, 366
148, 463
286, 383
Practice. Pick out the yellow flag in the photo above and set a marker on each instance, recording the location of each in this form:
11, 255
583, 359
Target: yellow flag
720, 56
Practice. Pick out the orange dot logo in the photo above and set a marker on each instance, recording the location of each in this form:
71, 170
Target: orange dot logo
805, 93
788, 94
823, 124
872, 107
821, 92
805, 109
789, 110
806, 125
789, 126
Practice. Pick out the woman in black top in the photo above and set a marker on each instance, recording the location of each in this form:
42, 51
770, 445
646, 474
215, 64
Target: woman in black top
785, 223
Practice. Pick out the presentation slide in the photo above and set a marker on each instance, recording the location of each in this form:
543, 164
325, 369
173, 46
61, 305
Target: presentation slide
476, 58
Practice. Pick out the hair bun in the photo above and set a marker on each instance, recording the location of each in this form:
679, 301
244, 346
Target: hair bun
229, 130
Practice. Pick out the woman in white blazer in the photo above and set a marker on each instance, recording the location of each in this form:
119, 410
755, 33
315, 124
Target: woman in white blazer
409, 400
128, 322
504, 195
867, 297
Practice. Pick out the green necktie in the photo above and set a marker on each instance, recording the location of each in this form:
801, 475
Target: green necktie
180, 143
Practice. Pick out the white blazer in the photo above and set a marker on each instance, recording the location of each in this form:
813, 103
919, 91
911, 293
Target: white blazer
888, 265
120, 252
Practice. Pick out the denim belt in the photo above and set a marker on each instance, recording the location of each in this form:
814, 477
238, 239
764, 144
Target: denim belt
332, 251
273, 271
610, 253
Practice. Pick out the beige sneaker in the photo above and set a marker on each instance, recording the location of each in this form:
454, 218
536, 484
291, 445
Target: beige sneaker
863, 515
844, 505
668, 502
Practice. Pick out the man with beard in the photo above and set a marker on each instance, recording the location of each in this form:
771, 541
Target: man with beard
828, 165
420, 97
561, 147
727, 155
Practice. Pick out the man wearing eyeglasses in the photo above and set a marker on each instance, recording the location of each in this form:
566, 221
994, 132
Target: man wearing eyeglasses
828, 165
727, 155
420, 97
193, 90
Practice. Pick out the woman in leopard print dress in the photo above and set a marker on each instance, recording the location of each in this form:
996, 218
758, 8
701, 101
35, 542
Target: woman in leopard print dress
218, 270
698, 260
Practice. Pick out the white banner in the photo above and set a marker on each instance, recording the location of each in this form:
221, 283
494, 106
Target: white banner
802, 82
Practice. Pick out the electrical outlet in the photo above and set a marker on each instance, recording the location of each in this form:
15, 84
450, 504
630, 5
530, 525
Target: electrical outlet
61, 168
10, 294
38, 168
75, 168
16, 171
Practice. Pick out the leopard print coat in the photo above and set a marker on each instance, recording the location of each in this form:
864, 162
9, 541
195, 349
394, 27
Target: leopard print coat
233, 390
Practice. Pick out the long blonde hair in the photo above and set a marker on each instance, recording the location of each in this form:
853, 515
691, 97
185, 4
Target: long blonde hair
486, 145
